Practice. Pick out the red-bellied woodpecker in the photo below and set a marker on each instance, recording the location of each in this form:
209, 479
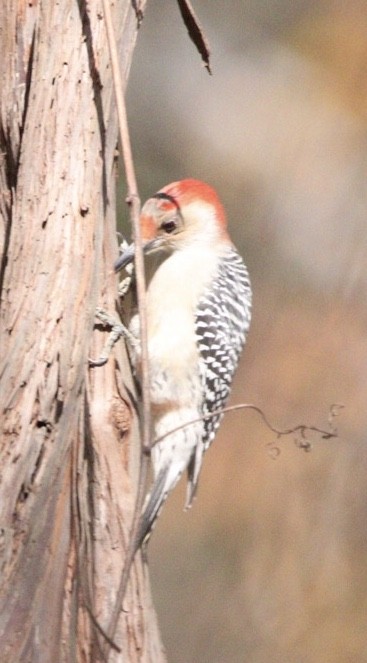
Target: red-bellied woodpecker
198, 315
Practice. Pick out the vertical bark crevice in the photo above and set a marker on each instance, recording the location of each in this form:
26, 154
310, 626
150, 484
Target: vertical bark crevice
97, 88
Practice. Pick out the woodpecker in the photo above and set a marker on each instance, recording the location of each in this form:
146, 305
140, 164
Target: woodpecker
198, 308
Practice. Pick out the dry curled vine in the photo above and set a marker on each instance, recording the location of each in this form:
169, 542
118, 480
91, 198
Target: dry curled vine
301, 431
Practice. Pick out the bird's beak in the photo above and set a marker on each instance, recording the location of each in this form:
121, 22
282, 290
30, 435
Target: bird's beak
128, 256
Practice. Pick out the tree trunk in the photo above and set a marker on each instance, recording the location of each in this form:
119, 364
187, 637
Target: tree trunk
67, 475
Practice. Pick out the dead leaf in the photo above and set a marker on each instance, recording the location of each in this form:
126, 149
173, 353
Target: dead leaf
195, 31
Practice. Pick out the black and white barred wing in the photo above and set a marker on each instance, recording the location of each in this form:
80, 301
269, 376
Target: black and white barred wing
222, 322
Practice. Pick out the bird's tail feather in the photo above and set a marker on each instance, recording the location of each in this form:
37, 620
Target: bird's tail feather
153, 505
193, 471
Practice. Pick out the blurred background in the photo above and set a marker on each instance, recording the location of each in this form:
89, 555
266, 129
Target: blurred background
270, 564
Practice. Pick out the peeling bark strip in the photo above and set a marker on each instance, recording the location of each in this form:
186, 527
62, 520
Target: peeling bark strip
65, 491
195, 31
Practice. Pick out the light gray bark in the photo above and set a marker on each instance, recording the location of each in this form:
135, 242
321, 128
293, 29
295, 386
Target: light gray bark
65, 493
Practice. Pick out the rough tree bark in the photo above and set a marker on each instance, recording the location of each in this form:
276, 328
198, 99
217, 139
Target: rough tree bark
66, 494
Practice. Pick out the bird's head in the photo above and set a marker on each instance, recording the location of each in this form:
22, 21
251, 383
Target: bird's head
182, 214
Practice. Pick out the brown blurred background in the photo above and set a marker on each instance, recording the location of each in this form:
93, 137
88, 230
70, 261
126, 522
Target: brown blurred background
270, 565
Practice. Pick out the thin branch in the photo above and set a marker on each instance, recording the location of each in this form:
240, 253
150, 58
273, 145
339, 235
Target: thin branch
134, 203
300, 428
103, 633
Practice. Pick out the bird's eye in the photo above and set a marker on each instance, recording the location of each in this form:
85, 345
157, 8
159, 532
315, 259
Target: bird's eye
169, 226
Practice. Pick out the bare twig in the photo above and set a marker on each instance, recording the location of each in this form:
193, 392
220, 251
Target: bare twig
302, 429
100, 630
134, 203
